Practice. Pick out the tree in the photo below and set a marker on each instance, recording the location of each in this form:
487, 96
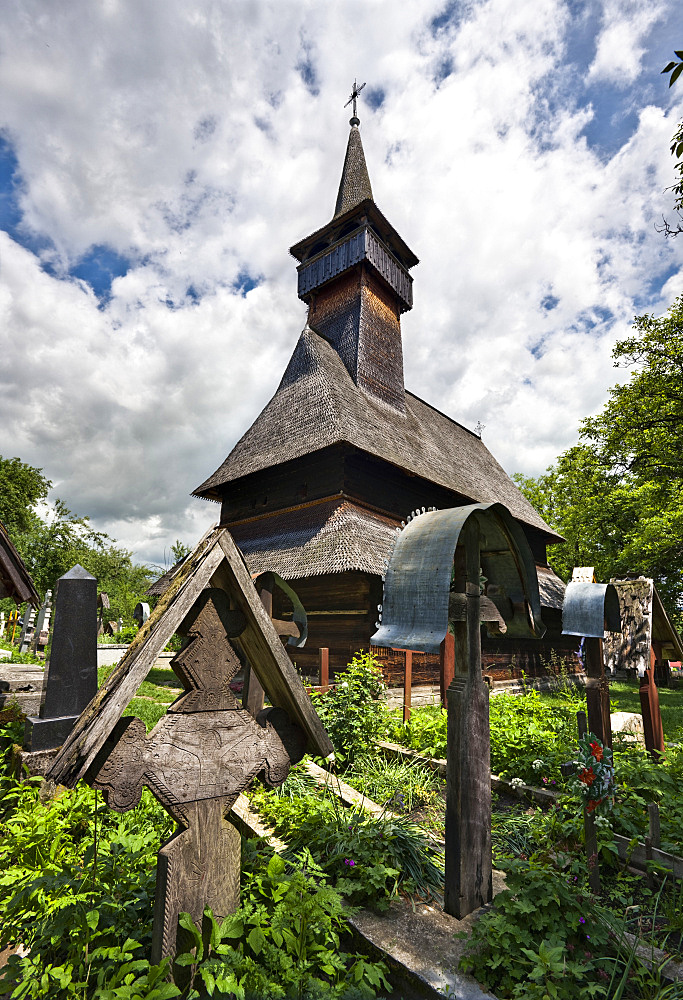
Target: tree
617, 496
675, 68
21, 488
51, 546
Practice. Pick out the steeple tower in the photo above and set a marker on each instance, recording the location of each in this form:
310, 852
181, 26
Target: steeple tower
353, 274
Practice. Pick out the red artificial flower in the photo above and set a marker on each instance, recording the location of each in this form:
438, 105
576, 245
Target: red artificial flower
596, 750
587, 776
593, 804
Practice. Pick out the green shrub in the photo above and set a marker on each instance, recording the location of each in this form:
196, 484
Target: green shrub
284, 941
529, 737
352, 710
401, 785
542, 937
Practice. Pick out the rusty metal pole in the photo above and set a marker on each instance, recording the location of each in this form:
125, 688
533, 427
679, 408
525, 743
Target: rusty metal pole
652, 716
407, 684
468, 883
324, 668
597, 692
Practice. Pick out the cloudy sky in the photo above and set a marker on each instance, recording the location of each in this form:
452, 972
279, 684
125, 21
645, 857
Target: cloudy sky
158, 158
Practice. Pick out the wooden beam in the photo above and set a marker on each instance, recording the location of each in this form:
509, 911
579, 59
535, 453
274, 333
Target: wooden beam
106, 708
264, 650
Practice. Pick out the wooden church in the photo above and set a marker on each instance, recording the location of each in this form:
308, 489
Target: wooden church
342, 453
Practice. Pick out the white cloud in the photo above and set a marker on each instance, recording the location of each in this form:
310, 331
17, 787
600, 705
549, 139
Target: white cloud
620, 46
186, 137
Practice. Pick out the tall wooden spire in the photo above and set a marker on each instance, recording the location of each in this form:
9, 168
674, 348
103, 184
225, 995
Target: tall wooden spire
354, 277
354, 186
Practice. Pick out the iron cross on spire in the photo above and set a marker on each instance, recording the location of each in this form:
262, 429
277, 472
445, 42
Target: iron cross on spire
354, 97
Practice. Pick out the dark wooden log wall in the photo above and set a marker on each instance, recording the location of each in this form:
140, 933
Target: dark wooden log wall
346, 631
342, 611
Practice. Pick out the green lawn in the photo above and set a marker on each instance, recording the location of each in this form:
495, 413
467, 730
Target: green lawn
154, 695
625, 698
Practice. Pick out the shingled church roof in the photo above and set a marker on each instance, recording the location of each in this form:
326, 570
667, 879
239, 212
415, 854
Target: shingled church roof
330, 536
317, 404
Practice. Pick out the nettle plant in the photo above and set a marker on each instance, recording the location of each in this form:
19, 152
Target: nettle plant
352, 711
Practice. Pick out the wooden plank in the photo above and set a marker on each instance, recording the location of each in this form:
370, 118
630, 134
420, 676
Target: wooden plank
251, 824
265, 651
101, 715
636, 855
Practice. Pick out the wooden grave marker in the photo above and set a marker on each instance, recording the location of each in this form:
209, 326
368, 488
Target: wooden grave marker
206, 749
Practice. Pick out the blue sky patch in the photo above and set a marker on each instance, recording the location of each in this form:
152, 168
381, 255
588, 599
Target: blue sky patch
10, 215
451, 16
99, 267
245, 282
306, 70
549, 302
375, 97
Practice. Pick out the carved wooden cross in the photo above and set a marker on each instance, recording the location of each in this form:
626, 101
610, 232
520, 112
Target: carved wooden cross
206, 749
196, 761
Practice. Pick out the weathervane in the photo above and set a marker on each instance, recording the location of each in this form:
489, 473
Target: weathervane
355, 120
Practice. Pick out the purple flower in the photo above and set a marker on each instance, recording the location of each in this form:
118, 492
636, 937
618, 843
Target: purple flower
350, 862
582, 920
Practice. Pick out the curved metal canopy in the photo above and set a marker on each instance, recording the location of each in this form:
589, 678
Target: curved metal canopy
418, 579
590, 609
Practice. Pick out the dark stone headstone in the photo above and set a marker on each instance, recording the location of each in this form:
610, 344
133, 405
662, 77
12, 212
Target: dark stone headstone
71, 674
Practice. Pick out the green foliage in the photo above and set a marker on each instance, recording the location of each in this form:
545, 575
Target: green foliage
21, 488
545, 936
77, 891
541, 938
285, 941
19, 657
399, 784
425, 731
529, 735
368, 858
78, 895
351, 711
617, 496
51, 546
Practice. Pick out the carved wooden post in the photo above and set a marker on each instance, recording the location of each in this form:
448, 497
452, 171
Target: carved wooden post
446, 665
324, 668
468, 796
597, 692
652, 716
407, 684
